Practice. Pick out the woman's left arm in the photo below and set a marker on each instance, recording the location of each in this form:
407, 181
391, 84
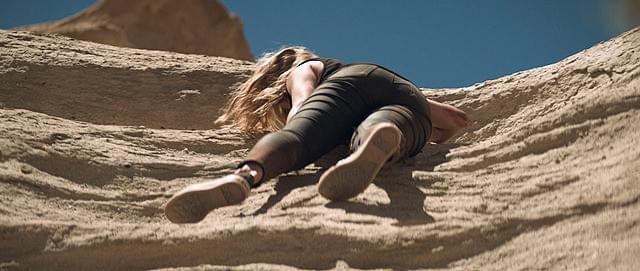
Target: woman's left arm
301, 83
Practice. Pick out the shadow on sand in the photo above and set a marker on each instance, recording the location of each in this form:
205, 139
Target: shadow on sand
406, 204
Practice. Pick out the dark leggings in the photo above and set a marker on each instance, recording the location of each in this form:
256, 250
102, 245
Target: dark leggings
352, 99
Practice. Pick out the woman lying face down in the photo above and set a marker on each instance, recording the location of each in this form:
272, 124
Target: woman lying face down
309, 105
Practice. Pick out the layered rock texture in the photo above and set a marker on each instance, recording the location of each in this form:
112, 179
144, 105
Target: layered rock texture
191, 27
94, 139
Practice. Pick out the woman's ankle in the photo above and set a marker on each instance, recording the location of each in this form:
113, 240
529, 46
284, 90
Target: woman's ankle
252, 169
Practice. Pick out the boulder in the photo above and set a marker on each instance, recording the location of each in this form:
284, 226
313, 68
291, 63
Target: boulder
191, 27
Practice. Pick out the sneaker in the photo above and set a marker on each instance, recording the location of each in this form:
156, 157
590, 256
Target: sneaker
352, 175
194, 202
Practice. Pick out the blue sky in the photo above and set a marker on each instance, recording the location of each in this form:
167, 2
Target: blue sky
450, 43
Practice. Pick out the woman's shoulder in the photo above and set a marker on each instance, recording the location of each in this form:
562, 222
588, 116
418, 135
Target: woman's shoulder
309, 60
316, 64
312, 69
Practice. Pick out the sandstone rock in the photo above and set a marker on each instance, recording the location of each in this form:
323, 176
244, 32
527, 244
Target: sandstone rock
545, 178
192, 27
100, 84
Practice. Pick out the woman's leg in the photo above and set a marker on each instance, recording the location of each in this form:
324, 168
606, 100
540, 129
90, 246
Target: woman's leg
387, 135
415, 129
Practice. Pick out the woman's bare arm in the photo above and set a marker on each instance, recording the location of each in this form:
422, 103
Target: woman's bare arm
447, 121
301, 83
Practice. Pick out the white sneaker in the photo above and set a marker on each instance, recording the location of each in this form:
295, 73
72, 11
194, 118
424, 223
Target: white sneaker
194, 202
352, 175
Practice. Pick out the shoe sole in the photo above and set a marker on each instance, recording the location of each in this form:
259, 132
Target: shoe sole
193, 203
353, 175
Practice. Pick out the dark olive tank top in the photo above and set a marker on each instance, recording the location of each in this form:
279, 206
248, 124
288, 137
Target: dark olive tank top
330, 66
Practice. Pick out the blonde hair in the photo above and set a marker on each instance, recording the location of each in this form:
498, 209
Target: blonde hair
257, 104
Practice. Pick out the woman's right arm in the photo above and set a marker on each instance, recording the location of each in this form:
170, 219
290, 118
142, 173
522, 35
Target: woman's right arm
447, 121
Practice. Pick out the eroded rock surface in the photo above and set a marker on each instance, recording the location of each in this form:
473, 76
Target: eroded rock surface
545, 178
192, 27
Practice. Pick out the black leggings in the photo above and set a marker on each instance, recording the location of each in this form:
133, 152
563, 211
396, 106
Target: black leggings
352, 99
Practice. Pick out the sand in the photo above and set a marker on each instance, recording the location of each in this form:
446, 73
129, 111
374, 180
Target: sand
94, 139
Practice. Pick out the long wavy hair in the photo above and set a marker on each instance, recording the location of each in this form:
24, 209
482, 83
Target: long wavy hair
258, 104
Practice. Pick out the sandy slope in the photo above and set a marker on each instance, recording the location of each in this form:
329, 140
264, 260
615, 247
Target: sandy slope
94, 139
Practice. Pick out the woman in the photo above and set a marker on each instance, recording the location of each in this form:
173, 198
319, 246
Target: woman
310, 105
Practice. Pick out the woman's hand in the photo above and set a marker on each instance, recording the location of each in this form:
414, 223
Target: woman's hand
447, 121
